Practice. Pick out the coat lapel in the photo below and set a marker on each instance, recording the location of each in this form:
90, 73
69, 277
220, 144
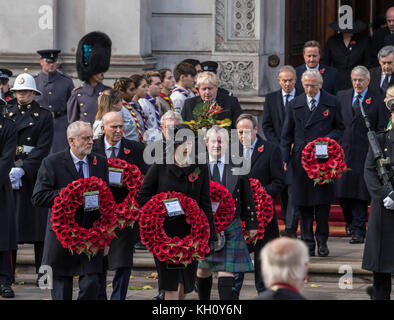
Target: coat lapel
318, 114
69, 164
281, 107
256, 154
231, 180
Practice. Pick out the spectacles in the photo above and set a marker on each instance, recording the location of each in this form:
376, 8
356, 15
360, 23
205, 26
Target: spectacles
359, 80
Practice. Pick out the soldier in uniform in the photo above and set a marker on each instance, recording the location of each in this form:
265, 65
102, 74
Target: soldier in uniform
55, 88
34, 126
92, 61
8, 231
6, 93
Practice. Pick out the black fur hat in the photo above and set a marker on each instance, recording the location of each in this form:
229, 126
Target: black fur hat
93, 54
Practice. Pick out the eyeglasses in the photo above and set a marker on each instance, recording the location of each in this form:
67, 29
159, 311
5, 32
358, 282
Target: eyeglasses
359, 80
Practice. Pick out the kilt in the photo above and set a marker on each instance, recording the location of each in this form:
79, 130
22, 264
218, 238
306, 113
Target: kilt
234, 257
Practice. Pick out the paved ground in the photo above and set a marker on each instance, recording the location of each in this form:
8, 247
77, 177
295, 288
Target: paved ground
325, 282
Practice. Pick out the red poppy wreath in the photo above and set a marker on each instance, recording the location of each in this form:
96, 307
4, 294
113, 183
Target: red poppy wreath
193, 246
127, 212
323, 172
263, 204
224, 214
74, 237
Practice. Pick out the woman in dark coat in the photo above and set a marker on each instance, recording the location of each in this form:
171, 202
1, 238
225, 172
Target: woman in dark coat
8, 230
174, 177
346, 50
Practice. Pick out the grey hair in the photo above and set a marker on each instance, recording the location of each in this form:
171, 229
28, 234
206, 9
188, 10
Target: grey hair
385, 51
312, 73
362, 71
107, 115
74, 129
216, 129
171, 115
248, 116
284, 260
287, 68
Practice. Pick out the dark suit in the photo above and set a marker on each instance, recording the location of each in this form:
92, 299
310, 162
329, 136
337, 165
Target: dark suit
329, 74
351, 187
302, 126
280, 294
120, 255
56, 172
344, 59
377, 43
376, 78
231, 108
267, 167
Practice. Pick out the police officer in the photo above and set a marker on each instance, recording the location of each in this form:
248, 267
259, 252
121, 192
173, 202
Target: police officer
92, 61
379, 244
6, 93
34, 126
8, 232
55, 90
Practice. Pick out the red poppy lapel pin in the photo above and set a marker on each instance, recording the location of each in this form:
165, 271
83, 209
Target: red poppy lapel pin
368, 101
353, 42
261, 148
326, 113
94, 162
194, 175
126, 151
322, 70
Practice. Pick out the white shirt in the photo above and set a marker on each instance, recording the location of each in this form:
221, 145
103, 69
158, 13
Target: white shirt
85, 168
316, 68
220, 162
178, 98
251, 148
108, 149
150, 112
291, 96
309, 99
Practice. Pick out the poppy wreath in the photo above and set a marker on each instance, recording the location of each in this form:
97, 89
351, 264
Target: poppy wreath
224, 214
74, 237
127, 212
264, 206
193, 246
324, 172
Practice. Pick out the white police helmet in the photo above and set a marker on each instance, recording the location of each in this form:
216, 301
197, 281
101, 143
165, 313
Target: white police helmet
25, 81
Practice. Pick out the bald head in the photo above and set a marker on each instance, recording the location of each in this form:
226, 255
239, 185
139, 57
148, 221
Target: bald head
112, 127
285, 260
390, 18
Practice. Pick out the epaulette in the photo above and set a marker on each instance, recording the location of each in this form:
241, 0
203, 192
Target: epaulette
76, 88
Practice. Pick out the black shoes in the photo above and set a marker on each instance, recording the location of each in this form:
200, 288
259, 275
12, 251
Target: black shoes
323, 251
288, 234
356, 239
348, 231
160, 296
6, 291
312, 252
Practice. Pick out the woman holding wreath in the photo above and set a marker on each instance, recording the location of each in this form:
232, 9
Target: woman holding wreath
178, 174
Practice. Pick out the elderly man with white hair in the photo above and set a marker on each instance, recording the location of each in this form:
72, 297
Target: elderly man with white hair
56, 172
284, 264
311, 115
351, 188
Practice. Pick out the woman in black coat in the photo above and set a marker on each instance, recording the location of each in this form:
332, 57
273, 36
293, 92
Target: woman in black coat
346, 50
174, 177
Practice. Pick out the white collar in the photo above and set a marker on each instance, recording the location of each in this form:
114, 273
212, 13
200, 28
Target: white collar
108, 146
291, 94
76, 159
222, 159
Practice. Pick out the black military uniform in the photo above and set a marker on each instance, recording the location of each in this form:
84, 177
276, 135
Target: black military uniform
55, 90
120, 255
34, 127
8, 230
93, 57
8, 96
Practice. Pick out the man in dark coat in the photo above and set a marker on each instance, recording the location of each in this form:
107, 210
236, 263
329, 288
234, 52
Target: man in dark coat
379, 36
56, 172
5, 91
284, 263
55, 88
378, 251
34, 127
208, 85
382, 76
273, 117
120, 256
312, 115
266, 166
351, 189
92, 61
8, 230
312, 53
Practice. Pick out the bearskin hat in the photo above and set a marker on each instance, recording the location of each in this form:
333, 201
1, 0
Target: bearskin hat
93, 54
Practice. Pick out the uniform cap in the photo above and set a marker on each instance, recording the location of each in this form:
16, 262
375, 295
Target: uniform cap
50, 55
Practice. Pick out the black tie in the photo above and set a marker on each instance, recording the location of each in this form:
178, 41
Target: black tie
287, 100
313, 105
356, 104
216, 174
385, 84
113, 152
80, 171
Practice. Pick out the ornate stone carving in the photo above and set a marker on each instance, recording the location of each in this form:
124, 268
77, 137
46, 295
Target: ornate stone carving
237, 75
243, 19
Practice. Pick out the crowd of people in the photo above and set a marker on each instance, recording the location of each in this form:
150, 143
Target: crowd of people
61, 133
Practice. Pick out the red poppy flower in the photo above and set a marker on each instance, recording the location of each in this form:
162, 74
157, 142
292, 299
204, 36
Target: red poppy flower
193, 177
261, 148
325, 113
8, 99
368, 101
126, 151
353, 42
322, 71
94, 162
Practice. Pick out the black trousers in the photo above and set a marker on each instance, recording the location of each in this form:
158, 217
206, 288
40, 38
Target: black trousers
320, 213
89, 286
355, 212
382, 285
5, 268
292, 212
